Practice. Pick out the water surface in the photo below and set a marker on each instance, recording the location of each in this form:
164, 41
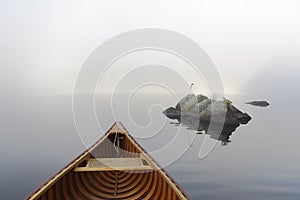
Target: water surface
260, 162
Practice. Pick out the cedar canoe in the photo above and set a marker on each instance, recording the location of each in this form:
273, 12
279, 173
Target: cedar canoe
115, 167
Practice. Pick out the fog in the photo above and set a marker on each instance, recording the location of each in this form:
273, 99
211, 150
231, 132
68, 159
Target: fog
44, 44
254, 45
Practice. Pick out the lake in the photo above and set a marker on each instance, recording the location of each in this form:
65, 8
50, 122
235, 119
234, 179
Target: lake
260, 162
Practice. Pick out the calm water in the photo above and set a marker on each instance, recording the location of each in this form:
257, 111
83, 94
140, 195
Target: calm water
261, 161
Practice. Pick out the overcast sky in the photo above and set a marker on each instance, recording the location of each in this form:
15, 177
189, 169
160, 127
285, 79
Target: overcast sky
44, 43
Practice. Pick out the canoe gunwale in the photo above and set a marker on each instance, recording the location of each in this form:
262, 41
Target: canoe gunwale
85, 156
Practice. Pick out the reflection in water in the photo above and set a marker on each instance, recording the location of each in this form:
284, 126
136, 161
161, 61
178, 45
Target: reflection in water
197, 112
202, 128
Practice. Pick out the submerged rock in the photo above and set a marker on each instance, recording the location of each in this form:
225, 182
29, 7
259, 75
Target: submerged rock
258, 103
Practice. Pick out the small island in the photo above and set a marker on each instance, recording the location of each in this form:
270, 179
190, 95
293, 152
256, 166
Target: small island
203, 109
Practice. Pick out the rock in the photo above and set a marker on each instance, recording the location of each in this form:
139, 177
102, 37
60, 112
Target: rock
215, 118
242, 118
218, 112
172, 113
201, 97
186, 103
258, 103
198, 107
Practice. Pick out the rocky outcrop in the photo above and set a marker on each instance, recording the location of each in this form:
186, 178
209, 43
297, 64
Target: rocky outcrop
205, 110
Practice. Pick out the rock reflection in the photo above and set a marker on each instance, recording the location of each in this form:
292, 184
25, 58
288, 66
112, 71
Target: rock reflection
203, 128
196, 113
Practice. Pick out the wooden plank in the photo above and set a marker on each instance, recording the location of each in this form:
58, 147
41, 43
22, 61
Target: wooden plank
94, 169
116, 184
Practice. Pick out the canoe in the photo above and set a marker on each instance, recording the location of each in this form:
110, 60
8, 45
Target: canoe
115, 167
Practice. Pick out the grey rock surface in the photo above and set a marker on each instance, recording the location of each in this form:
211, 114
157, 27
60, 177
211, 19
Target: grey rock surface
259, 103
201, 108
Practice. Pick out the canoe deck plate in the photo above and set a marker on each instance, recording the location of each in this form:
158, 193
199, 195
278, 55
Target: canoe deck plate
104, 164
115, 162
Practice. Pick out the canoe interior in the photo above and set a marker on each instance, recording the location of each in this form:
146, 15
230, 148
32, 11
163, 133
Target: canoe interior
80, 181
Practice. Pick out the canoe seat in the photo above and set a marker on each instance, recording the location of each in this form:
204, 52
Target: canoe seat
107, 164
